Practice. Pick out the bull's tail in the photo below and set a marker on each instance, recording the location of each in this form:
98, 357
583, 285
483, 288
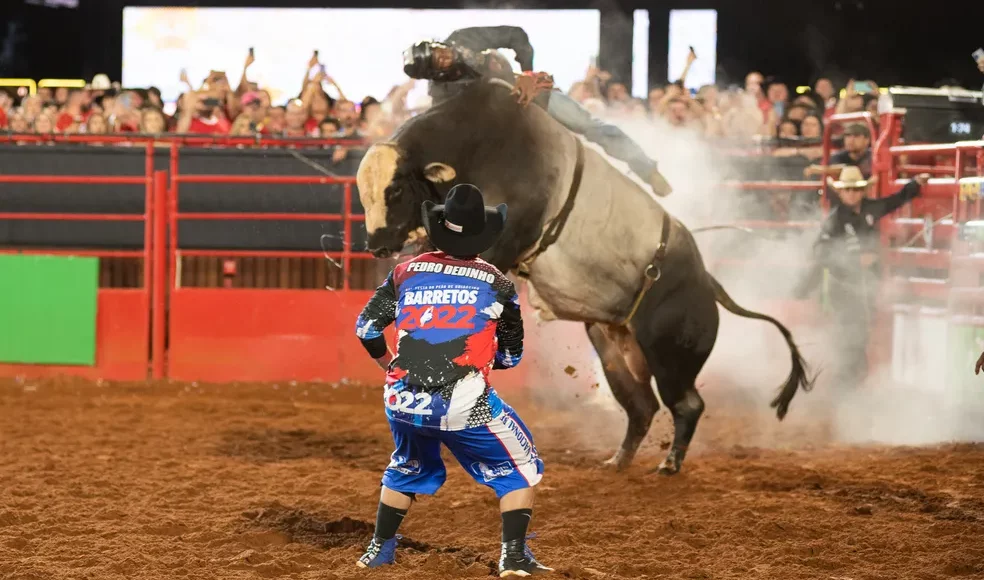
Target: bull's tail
798, 374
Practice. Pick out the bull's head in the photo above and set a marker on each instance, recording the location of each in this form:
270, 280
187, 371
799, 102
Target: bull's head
392, 189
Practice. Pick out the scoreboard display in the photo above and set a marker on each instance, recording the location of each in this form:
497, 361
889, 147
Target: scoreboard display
939, 115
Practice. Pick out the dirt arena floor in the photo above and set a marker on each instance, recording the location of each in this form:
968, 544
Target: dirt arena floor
110, 481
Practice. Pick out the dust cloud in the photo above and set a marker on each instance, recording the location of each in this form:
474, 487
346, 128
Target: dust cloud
750, 358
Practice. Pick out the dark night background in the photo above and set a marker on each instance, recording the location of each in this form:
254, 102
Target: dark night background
890, 42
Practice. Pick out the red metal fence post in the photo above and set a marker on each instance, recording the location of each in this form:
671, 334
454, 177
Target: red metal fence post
958, 205
347, 236
980, 173
172, 221
159, 288
148, 217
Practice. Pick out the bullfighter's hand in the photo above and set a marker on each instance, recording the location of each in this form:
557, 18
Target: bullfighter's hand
922, 178
980, 365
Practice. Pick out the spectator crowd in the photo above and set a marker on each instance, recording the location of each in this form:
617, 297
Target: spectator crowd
215, 107
763, 110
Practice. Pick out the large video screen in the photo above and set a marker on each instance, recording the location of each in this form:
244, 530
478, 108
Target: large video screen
361, 49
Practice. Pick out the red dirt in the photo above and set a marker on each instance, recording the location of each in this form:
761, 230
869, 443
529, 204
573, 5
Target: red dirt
260, 481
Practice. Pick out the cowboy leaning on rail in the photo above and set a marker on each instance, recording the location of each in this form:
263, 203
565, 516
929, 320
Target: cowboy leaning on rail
469, 54
848, 248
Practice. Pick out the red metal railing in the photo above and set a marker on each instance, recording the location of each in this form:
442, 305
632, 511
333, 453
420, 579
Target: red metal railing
125, 309
175, 216
180, 139
161, 253
259, 333
942, 188
145, 217
948, 187
159, 259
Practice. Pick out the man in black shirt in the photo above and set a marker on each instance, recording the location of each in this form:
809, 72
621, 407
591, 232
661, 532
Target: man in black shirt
848, 248
856, 153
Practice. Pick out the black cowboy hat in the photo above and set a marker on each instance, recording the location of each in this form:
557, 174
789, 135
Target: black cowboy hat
463, 225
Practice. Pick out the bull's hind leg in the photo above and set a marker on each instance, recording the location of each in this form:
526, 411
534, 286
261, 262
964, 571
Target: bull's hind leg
636, 397
677, 342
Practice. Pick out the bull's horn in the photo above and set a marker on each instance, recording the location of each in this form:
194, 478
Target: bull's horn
439, 172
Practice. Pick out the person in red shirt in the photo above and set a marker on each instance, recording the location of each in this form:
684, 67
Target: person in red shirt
6, 102
753, 86
254, 110
348, 116
319, 112
73, 112
275, 122
296, 119
317, 103
202, 114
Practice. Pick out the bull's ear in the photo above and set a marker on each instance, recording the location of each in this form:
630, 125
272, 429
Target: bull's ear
439, 172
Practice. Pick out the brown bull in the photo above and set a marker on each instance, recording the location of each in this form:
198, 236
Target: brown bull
589, 267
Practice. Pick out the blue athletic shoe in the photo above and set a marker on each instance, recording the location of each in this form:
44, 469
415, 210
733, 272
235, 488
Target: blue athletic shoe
517, 559
379, 552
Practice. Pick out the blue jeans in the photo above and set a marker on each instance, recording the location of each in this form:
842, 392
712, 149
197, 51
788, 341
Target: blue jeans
613, 140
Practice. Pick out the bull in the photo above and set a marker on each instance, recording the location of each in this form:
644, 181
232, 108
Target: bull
594, 246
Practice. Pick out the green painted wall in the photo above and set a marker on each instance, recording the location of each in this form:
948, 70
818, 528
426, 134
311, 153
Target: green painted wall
48, 309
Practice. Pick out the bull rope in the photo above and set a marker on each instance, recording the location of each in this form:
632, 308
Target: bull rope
653, 271
556, 225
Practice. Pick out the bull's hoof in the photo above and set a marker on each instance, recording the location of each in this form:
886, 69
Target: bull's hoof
671, 465
620, 461
667, 468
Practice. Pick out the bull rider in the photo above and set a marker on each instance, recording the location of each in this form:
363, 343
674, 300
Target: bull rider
470, 53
